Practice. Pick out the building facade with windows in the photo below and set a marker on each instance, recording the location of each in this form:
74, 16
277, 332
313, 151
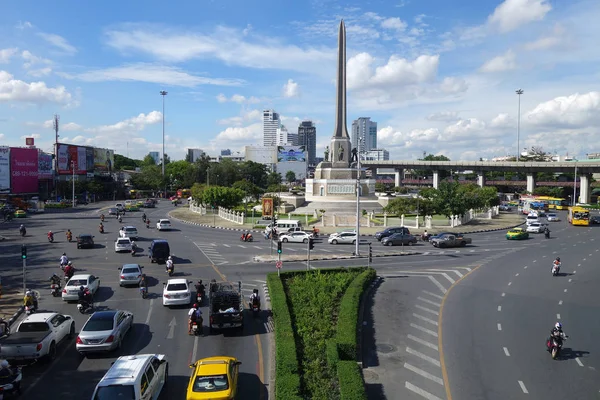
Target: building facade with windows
155, 156
307, 137
271, 126
365, 129
195, 154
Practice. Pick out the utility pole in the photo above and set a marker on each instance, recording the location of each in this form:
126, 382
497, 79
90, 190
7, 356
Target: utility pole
357, 249
163, 93
519, 92
55, 126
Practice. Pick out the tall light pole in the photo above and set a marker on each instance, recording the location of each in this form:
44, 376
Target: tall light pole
519, 92
575, 184
357, 249
163, 93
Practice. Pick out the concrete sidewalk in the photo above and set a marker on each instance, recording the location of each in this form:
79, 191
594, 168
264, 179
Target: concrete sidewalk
11, 304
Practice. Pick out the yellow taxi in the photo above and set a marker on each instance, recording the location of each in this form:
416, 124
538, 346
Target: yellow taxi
517, 234
20, 214
214, 378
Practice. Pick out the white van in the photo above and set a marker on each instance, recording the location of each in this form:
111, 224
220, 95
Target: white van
139, 377
285, 225
532, 217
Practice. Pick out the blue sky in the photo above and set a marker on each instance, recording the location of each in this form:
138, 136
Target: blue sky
438, 76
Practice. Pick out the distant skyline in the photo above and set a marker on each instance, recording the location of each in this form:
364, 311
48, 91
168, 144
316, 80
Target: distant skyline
438, 77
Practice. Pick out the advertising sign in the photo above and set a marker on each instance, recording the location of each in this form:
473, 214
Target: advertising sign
81, 160
24, 169
267, 206
104, 160
69, 153
291, 153
4, 169
89, 160
44, 165
29, 141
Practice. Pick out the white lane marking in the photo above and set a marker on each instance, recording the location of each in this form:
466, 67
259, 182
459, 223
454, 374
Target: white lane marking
525, 267
420, 392
448, 277
506, 352
458, 273
517, 274
534, 260
437, 296
557, 316
578, 361
427, 310
574, 272
499, 326
503, 294
423, 356
437, 283
256, 280
565, 290
423, 342
509, 283
465, 268
429, 302
523, 388
424, 330
424, 374
422, 318
584, 259
499, 308
195, 349
242, 246
570, 280
257, 247
226, 245
560, 303
579, 265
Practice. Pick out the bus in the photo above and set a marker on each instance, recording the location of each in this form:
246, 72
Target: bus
528, 204
133, 194
579, 216
555, 203
184, 193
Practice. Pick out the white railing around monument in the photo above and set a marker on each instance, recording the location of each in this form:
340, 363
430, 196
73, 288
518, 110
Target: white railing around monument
237, 217
198, 209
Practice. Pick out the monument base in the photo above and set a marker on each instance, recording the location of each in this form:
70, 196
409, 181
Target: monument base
323, 189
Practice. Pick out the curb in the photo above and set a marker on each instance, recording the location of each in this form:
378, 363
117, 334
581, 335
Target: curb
406, 253
16, 315
362, 322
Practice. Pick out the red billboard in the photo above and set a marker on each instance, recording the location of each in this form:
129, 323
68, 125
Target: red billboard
70, 156
24, 170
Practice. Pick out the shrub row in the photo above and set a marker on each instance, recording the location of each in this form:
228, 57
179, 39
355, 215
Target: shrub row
57, 205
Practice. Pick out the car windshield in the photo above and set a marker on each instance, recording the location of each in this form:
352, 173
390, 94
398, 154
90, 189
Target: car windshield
114, 392
211, 383
99, 324
85, 237
33, 327
130, 270
174, 287
77, 282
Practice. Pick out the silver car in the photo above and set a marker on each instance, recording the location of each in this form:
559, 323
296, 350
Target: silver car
130, 274
104, 331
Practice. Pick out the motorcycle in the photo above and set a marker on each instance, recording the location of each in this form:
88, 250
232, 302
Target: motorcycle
547, 234
170, 270
555, 269
69, 237
255, 309
199, 298
51, 238
133, 250
55, 290
144, 218
102, 218
85, 307
69, 275
23, 232
29, 310
197, 327
11, 385
554, 345
247, 238
120, 219
144, 291
147, 224
101, 229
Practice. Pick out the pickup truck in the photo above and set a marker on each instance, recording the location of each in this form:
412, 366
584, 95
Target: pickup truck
37, 336
450, 240
225, 305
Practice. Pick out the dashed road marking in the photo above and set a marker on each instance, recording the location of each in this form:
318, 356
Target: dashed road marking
422, 318
578, 361
517, 274
506, 352
503, 294
560, 303
565, 290
458, 273
226, 245
423, 356
424, 374
509, 283
437, 296
570, 280
499, 308
437, 283
429, 301
499, 326
423, 342
424, 330
523, 388
557, 316
420, 392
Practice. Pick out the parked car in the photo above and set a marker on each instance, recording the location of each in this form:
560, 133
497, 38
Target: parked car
85, 240
122, 244
344, 237
214, 378
399, 239
37, 336
295, 237
112, 211
504, 207
104, 331
129, 231
163, 225
71, 289
390, 231
130, 274
176, 292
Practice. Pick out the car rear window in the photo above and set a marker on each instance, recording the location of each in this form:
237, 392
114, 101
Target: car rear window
165, 221
211, 383
173, 287
130, 230
130, 270
33, 327
77, 282
113, 392
123, 241
99, 324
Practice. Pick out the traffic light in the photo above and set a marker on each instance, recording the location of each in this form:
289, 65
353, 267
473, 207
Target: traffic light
274, 221
23, 251
370, 253
279, 247
311, 243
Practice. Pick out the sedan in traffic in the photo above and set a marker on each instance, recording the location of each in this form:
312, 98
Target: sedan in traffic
399, 239
295, 237
85, 240
343, 238
552, 217
517, 234
176, 292
112, 211
130, 274
71, 289
122, 244
128, 231
104, 331
163, 225
535, 227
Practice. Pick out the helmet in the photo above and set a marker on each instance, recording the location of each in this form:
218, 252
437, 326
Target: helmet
255, 291
50, 232
557, 258
558, 325
53, 275
64, 254
4, 364
170, 258
28, 293
70, 263
195, 306
81, 288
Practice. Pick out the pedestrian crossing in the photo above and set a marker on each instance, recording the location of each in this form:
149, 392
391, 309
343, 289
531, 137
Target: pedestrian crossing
210, 252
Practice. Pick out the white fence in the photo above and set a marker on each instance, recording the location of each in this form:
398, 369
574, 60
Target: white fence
198, 209
232, 216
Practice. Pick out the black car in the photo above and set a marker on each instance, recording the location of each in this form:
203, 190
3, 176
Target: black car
159, 251
149, 204
439, 235
595, 220
390, 231
85, 241
399, 239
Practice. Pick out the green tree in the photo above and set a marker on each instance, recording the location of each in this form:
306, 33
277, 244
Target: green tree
274, 178
254, 172
219, 196
250, 188
149, 178
122, 162
275, 188
184, 172
290, 176
147, 161
401, 206
449, 199
95, 187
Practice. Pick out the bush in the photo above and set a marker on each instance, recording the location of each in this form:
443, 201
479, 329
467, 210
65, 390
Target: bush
352, 386
57, 205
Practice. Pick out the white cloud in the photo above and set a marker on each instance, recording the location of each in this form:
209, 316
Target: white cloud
553, 39
38, 73
444, 116
1, 135
237, 98
7, 54
224, 44
290, 89
33, 135
221, 98
394, 23
244, 118
35, 92
143, 72
512, 14
463, 128
502, 120
574, 111
134, 124
505, 62
24, 25
58, 41
453, 85
70, 126
245, 134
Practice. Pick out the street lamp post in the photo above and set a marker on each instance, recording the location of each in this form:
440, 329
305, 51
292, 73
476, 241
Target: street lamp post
357, 249
575, 184
519, 92
73, 179
163, 93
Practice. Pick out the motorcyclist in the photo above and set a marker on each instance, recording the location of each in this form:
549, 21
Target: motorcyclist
69, 270
64, 260
556, 333
69, 235
143, 282
144, 217
5, 371
55, 279
547, 232
29, 299
133, 247
120, 219
102, 217
148, 223
193, 315
254, 298
50, 235
101, 228
170, 264
22, 230
556, 264
199, 288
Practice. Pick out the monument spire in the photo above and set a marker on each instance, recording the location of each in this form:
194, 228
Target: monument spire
341, 130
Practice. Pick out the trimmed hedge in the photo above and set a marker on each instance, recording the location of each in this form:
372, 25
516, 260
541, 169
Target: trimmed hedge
57, 205
352, 386
287, 376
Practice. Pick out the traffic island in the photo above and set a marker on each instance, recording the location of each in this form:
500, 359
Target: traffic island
274, 257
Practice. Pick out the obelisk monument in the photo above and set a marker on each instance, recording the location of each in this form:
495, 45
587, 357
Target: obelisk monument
340, 142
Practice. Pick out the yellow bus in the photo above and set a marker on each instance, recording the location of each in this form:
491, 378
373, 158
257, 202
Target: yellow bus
557, 203
579, 216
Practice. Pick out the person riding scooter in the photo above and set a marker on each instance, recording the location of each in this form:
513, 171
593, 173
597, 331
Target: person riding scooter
556, 333
50, 236
148, 223
120, 219
69, 270
170, 265
199, 290
246, 237
101, 228
144, 217
254, 299
22, 230
102, 217
64, 260
556, 265
547, 233
194, 315
69, 235
84, 296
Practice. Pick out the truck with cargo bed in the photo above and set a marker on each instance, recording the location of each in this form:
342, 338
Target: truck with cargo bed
225, 305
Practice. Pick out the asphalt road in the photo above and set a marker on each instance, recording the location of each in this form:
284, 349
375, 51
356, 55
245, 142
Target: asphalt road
495, 322
156, 329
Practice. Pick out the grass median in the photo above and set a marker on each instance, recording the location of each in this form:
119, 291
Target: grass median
316, 316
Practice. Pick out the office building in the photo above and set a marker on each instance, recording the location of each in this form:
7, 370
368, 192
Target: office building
367, 129
155, 156
195, 154
261, 154
226, 152
307, 137
376, 155
271, 125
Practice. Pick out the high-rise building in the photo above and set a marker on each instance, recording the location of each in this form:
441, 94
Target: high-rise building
271, 125
155, 156
307, 137
376, 155
195, 154
367, 129
226, 152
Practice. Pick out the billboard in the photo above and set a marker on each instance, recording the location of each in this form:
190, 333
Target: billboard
89, 159
267, 206
104, 160
68, 154
24, 170
291, 154
4, 169
44, 165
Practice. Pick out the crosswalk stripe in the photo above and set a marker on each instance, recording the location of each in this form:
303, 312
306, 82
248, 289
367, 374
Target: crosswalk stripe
420, 392
424, 374
423, 356
460, 275
423, 342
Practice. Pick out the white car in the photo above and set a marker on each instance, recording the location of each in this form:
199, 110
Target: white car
552, 218
120, 207
344, 237
177, 292
535, 227
163, 225
129, 231
71, 289
123, 244
295, 237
